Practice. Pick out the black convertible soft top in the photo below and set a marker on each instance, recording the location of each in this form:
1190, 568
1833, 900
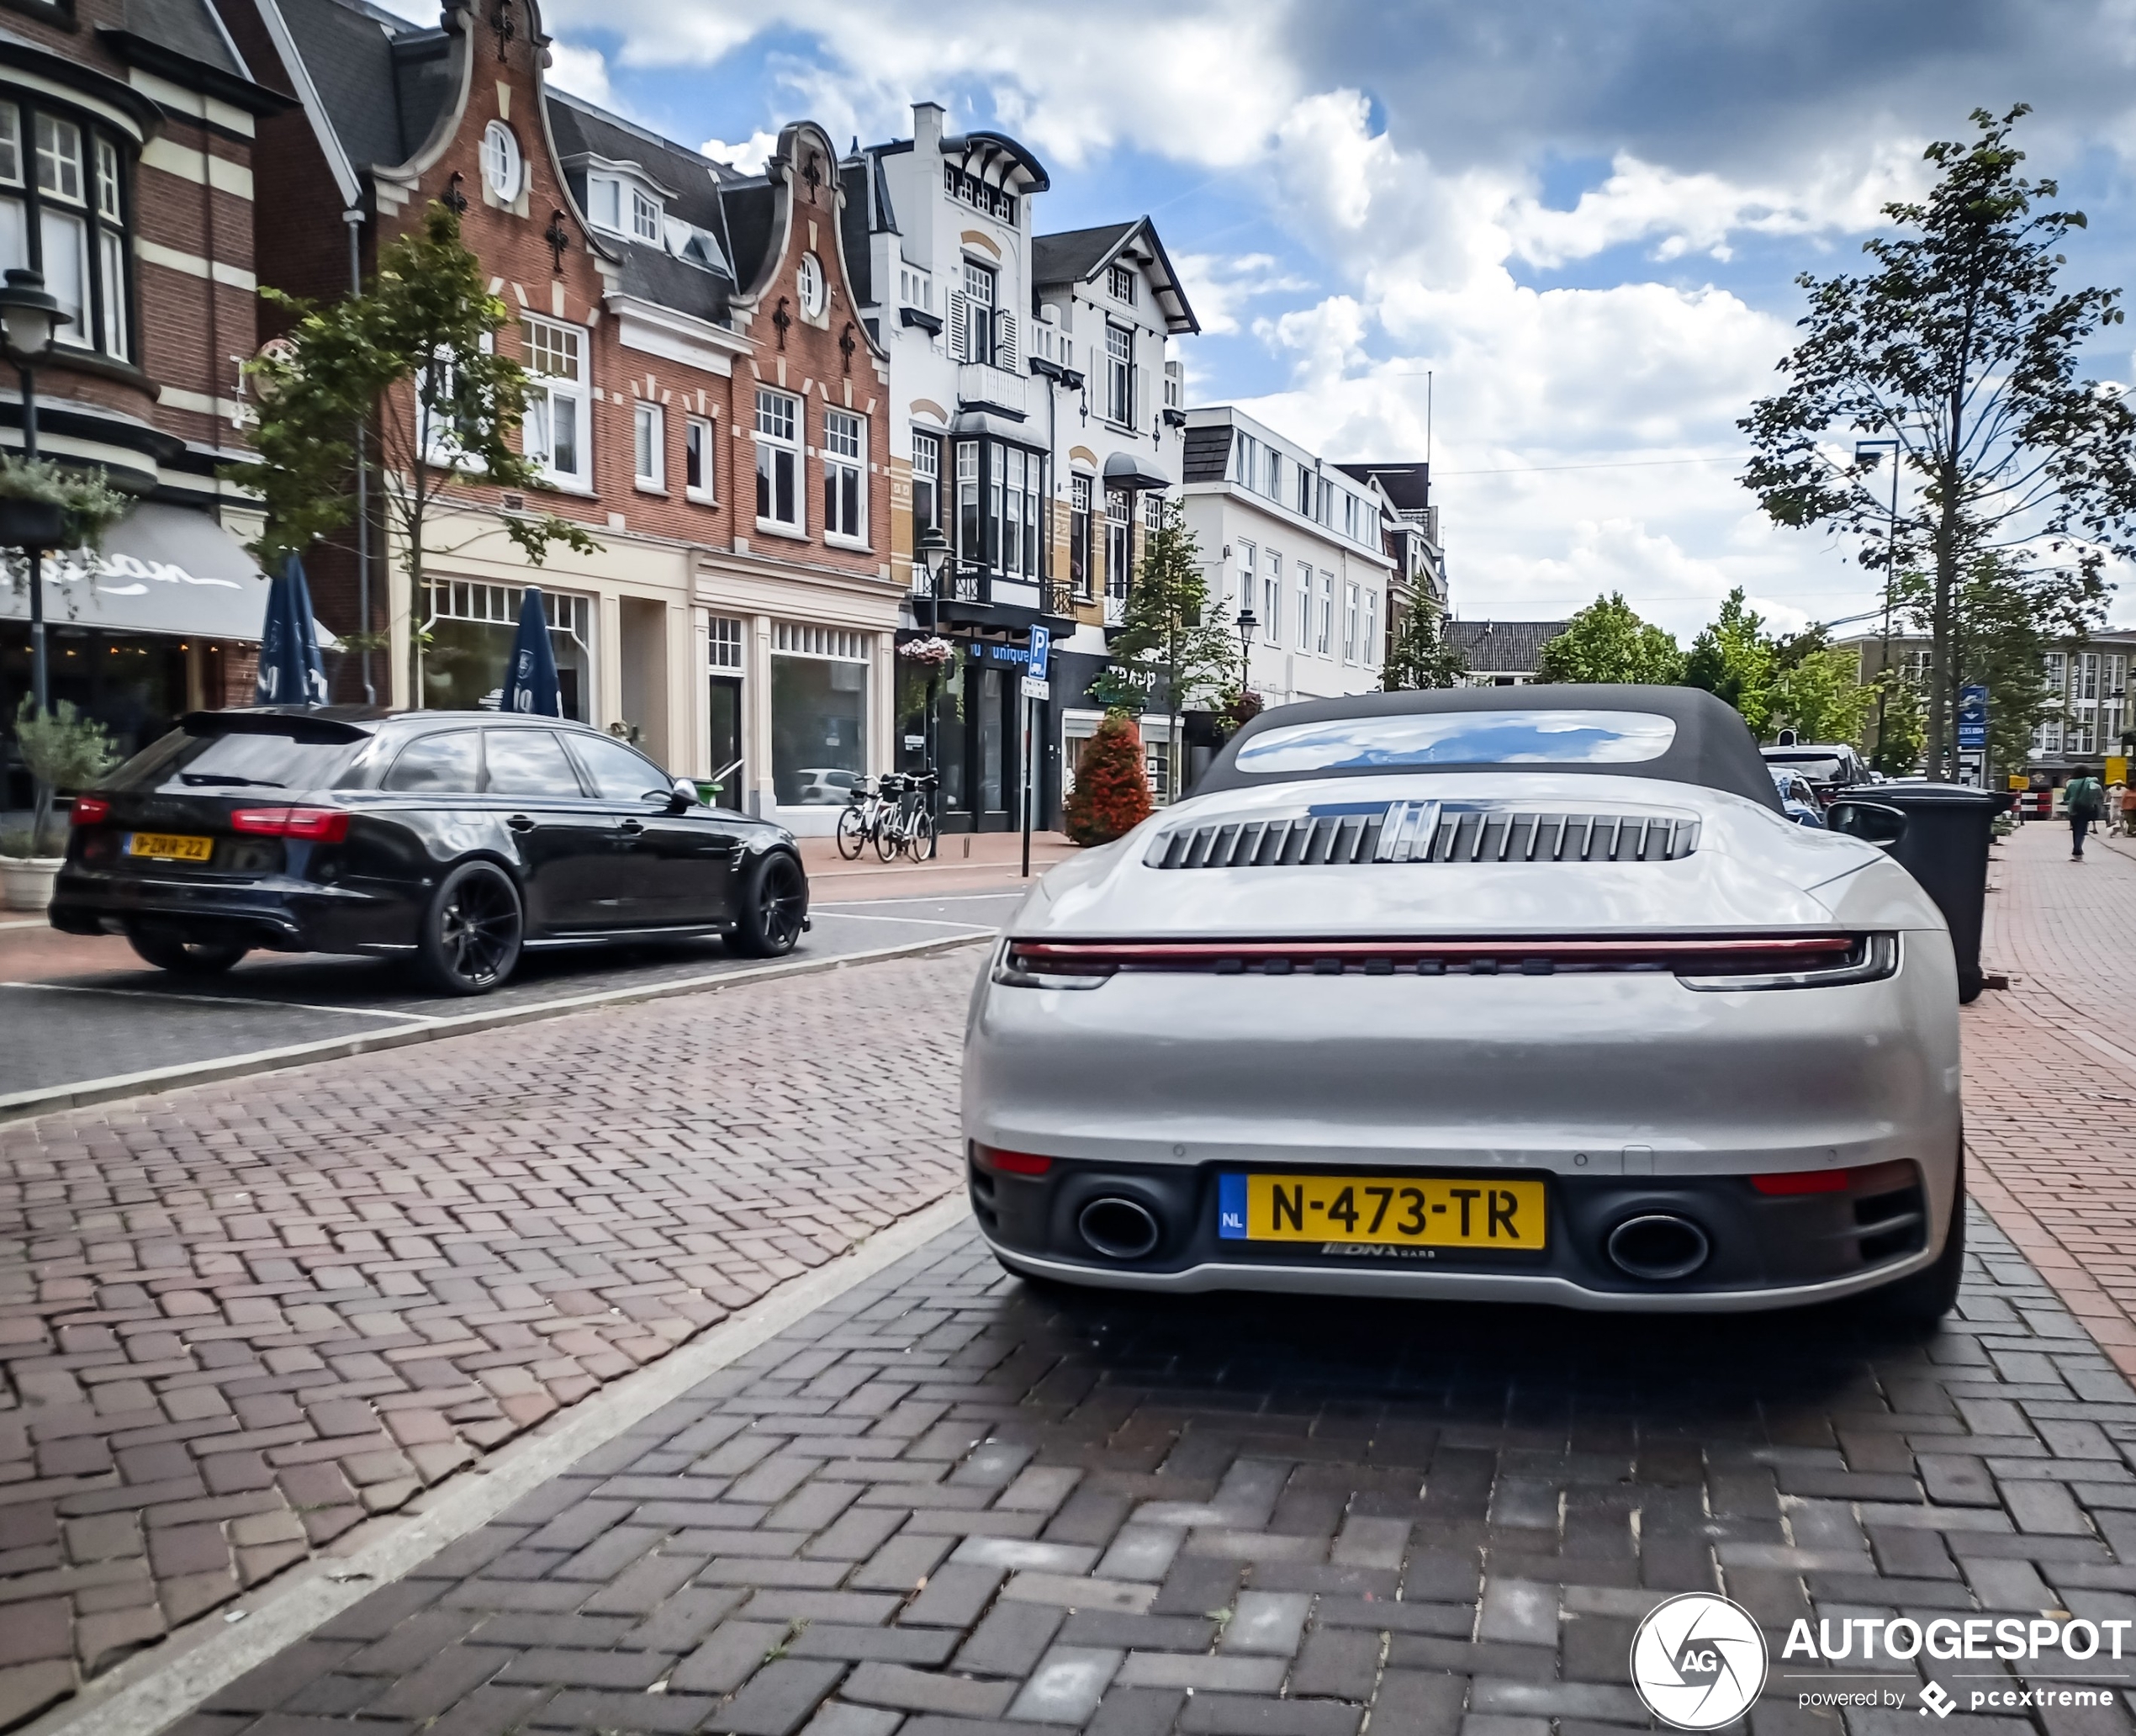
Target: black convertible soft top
1712, 745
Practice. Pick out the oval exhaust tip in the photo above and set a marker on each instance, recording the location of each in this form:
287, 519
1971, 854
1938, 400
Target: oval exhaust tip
1657, 1247
1118, 1229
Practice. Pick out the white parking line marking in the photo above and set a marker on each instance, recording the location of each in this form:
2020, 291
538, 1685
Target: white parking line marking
917, 921
205, 1000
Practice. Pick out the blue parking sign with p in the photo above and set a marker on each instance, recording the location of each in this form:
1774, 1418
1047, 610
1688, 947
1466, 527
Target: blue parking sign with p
1041, 646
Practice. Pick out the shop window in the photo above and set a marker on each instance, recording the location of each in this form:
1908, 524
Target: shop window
819, 713
470, 628
845, 476
779, 460
67, 217
697, 449
557, 431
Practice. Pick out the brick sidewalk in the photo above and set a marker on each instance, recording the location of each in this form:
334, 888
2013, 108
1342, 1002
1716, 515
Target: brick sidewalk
235, 1320
944, 1506
2050, 1072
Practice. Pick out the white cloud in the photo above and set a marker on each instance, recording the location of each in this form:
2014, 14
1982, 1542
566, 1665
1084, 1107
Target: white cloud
582, 71
749, 156
1218, 287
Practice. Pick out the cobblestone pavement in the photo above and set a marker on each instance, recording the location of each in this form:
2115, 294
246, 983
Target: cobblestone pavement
2050, 1072
946, 1505
235, 1320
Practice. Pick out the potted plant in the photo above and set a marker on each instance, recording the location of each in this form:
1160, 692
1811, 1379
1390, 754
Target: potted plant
47, 505
63, 750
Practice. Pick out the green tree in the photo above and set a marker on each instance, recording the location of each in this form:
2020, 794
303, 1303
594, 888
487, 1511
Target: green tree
1816, 689
1170, 649
1420, 656
63, 750
1903, 730
1608, 641
1960, 345
1998, 640
1734, 657
414, 357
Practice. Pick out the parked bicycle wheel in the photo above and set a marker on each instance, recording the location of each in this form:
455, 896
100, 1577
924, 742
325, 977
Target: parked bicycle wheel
919, 838
890, 832
853, 833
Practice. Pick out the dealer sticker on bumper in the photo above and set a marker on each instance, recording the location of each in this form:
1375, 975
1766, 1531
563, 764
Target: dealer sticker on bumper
1421, 1211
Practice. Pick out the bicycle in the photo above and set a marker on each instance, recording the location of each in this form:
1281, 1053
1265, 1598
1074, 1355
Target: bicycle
861, 819
888, 828
914, 822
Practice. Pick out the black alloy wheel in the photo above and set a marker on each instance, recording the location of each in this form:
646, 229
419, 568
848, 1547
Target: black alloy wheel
774, 907
472, 931
169, 950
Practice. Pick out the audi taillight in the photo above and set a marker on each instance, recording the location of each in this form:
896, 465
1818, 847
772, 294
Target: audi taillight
91, 810
314, 825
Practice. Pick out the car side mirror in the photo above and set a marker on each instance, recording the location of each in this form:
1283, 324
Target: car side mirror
683, 795
1876, 822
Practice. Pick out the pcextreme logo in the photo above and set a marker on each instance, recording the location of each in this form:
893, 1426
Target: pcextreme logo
1698, 1661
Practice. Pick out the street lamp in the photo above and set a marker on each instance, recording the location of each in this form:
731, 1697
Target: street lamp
1869, 453
30, 322
1248, 625
931, 552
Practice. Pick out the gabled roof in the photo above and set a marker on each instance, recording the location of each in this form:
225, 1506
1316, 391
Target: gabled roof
1077, 256
186, 41
1511, 647
376, 75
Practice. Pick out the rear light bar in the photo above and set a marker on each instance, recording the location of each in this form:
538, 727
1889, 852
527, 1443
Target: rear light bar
1690, 956
1870, 1179
90, 811
315, 825
1023, 1164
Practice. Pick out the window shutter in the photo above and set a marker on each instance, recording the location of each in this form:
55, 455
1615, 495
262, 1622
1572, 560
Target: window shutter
959, 321
1005, 341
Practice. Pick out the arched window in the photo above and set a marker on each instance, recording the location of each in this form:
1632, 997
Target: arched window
814, 296
502, 165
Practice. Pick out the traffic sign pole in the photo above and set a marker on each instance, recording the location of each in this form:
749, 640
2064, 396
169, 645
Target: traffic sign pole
1036, 691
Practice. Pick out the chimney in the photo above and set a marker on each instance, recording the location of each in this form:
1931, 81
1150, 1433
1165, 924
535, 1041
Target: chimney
917, 240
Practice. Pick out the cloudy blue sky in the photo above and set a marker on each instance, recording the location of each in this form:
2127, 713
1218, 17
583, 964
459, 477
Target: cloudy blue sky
1581, 218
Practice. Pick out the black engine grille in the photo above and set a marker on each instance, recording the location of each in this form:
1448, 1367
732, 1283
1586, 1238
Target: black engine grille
1426, 832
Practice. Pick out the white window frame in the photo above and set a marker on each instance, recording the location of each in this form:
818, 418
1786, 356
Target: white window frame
723, 644
844, 456
1271, 597
699, 439
780, 423
1248, 575
1323, 644
812, 288
605, 203
1119, 284
1352, 618
645, 217
649, 447
1119, 375
1305, 608
975, 340
544, 343
1370, 652
504, 164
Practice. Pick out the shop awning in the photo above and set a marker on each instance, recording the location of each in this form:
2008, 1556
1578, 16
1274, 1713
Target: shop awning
1133, 471
162, 569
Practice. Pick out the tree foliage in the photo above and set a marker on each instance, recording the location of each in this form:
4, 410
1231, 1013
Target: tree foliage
1170, 651
2003, 620
1735, 657
1608, 641
413, 357
63, 749
1420, 656
1112, 792
1959, 345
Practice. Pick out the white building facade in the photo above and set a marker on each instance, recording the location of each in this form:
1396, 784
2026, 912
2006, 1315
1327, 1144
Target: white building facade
1299, 539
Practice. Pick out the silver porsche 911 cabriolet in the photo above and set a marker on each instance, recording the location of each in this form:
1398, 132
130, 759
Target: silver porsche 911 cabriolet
1529, 994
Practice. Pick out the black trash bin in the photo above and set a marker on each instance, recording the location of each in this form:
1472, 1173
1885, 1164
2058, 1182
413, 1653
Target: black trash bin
1945, 847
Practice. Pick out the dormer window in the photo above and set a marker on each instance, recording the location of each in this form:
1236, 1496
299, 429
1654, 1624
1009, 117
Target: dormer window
645, 217
605, 203
621, 207
1120, 285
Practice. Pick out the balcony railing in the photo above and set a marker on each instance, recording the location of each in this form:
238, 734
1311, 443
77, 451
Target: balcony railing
1057, 598
980, 386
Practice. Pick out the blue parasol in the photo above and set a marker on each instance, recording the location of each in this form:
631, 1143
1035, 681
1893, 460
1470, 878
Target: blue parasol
531, 685
291, 670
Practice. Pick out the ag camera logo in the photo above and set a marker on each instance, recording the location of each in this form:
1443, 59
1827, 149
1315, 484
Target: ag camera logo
1698, 1661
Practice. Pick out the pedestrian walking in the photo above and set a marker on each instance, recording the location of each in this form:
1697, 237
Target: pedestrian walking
2127, 809
2083, 799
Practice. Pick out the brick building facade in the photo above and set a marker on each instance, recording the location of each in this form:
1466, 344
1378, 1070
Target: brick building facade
127, 130
709, 405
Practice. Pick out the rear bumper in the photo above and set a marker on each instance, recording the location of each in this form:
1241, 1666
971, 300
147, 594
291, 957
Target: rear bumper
1764, 1251
276, 914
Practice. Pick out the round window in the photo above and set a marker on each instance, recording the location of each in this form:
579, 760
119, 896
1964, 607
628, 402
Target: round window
502, 165
814, 297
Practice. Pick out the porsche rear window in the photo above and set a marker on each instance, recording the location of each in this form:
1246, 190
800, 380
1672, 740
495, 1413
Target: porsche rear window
1398, 741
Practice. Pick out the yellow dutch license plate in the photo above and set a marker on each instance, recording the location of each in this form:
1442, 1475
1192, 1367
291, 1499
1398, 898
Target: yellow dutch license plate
169, 846
1423, 1211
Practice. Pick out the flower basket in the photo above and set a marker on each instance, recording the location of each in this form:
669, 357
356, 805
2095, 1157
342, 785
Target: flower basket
929, 653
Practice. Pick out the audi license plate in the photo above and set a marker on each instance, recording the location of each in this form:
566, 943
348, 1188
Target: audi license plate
1423, 1211
169, 846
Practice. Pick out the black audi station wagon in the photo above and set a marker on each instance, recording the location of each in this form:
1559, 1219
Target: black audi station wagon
455, 838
